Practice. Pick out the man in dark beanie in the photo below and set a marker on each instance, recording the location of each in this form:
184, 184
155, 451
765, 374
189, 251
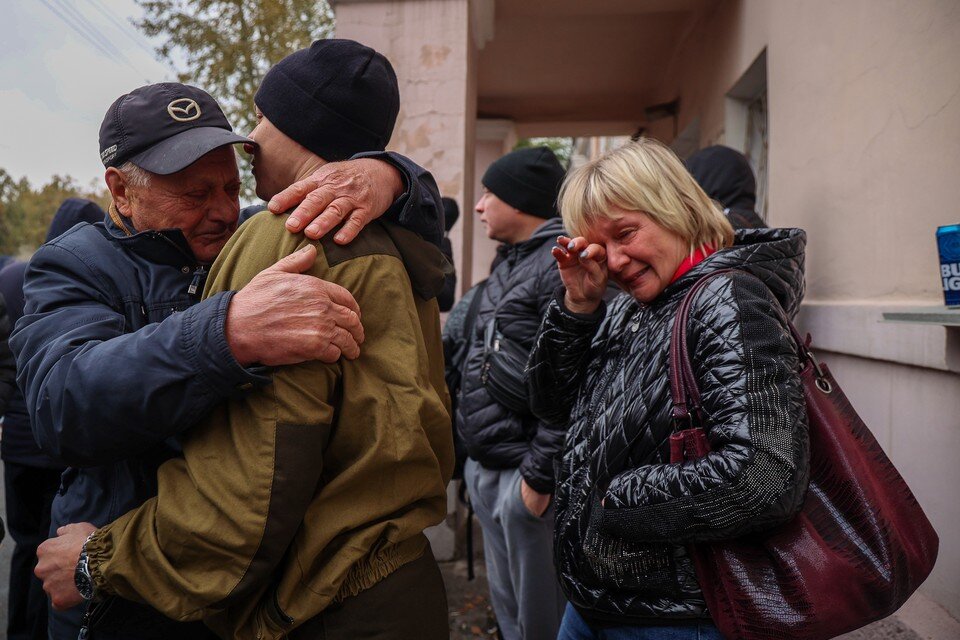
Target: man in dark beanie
725, 175
451, 213
298, 509
509, 470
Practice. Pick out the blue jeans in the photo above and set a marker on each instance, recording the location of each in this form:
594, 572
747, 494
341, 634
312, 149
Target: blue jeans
574, 627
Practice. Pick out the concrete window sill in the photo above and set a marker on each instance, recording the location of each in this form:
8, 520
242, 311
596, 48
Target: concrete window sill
924, 315
857, 328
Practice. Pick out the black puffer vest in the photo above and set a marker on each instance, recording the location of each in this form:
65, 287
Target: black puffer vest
624, 513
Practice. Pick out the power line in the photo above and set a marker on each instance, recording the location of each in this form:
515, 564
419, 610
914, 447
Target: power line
90, 28
80, 32
83, 28
123, 26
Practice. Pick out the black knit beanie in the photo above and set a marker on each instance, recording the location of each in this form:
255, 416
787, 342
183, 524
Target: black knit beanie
528, 180
336, 98
451, 212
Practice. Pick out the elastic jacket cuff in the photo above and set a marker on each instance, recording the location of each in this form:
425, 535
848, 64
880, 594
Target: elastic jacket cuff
99, 549
578, 319
538, 483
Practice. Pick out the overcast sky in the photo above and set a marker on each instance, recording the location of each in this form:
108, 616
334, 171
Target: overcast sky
58, 75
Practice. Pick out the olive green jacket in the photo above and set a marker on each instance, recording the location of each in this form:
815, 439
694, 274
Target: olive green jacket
316, 486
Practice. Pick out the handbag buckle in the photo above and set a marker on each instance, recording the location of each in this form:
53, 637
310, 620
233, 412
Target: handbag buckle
822, 382
681, 423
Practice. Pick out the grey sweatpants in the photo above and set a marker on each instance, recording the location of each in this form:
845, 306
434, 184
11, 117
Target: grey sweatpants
518, 549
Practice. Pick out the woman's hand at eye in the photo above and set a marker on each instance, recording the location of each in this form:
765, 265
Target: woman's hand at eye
583, 269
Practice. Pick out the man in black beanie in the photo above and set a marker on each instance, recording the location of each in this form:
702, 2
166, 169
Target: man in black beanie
312, 515
509, 471
451, 213
726, 176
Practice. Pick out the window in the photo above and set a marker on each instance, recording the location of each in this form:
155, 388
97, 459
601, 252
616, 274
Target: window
746, 124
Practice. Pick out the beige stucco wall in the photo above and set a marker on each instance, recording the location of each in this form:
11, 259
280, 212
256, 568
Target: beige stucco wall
714, 53
865, 140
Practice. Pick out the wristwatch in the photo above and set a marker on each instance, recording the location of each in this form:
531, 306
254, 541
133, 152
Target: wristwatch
81, 575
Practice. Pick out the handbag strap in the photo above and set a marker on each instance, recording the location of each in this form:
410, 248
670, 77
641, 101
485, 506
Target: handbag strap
683, 385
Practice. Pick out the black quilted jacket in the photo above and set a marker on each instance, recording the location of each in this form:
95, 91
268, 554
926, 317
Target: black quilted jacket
623, 560
517, 292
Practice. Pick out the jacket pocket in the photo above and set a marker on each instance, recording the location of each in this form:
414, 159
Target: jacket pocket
646, 568
522, 507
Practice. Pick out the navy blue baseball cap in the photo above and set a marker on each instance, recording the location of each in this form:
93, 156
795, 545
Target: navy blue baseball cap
163, 128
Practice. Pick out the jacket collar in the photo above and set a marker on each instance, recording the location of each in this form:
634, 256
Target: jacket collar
775, 256
546, 232
164, 246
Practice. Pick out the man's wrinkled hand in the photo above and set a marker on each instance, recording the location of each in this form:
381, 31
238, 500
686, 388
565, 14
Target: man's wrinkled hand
57, 562
355, 191
283, 317
536, 503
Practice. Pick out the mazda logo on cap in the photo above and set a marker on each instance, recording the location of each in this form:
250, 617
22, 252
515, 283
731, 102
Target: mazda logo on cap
184, 109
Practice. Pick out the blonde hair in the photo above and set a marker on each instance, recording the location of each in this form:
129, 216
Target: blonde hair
644, 176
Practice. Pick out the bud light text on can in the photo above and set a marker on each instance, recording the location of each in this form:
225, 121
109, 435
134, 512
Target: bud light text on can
948, 244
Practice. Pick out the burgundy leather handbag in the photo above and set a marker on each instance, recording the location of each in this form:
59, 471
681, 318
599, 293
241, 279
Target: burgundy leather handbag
857, 549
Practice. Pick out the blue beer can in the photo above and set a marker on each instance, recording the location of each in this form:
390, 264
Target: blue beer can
948, 244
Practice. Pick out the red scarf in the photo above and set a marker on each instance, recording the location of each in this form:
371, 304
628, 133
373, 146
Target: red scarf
692, 260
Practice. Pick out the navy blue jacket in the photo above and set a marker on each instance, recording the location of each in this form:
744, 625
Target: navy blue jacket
117, 355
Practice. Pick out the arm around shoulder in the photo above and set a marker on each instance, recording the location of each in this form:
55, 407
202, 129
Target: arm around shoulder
75, 354
226, 512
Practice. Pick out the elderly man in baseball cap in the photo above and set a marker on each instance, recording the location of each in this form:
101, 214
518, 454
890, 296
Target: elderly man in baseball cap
119, 353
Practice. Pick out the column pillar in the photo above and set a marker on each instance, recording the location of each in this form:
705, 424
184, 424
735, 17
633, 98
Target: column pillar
431, 44
494, 138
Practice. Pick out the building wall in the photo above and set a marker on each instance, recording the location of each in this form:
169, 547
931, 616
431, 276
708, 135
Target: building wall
865, 140
864, 129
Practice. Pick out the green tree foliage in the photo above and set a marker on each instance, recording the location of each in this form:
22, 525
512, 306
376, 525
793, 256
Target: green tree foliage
226, 46
26, 213
563, 147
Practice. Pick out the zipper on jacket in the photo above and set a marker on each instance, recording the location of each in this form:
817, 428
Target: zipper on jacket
198, 276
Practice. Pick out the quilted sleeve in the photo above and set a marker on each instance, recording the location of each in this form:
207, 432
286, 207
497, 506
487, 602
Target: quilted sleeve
756, 474
556, 361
